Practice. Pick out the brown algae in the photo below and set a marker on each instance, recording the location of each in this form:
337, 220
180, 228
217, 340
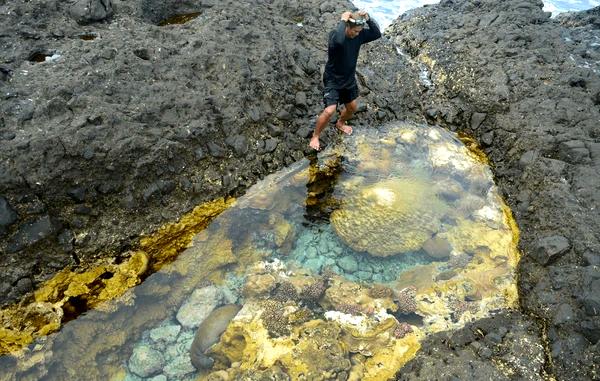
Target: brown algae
179, 19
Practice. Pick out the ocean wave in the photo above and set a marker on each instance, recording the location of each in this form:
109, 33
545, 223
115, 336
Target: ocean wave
386, 11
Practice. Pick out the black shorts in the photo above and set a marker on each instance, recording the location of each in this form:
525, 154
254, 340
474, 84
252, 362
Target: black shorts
332, 96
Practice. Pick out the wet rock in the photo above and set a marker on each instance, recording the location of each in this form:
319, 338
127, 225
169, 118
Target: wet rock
528, 158
89, 11
66, 240
77, 194
179, 367
591, 291
216, 150
564, 314
300, 99
199, 154
24, 285
591, 330
284, 115
146, 361
548, 249
476, 119
198, 306
274, 130
7, 214
167, 334
8, 135
437, 247
488, 138
304, 131
591, 258
271, 144
348, 263
82, 209
239, 144
574, 151
31, 233
209, 333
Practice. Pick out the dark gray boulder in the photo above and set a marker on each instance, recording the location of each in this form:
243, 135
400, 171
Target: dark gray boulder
89, 11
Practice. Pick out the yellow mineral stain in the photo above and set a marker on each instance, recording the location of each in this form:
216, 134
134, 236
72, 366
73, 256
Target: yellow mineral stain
13, 340
247, 343
164, 245
474, 150
179, 19
440, 74
384, 364
509, 220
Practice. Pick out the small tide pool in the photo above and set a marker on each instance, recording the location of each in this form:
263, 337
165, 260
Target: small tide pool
334, 268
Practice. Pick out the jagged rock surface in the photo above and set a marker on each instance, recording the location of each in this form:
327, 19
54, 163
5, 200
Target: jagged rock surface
125, 125
527, 87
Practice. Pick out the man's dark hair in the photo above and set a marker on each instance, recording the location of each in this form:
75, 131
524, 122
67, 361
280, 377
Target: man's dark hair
356, 20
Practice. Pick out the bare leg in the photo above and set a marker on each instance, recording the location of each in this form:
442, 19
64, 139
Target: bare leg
322, 121
346, 115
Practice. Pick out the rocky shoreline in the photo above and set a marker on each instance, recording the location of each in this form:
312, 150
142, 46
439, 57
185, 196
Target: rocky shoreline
527, 88
126, 125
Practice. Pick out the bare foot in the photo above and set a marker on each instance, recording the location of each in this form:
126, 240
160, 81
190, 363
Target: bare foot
314, 143
346, 129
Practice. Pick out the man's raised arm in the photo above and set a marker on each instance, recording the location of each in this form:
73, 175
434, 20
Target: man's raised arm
338, 36
373, 33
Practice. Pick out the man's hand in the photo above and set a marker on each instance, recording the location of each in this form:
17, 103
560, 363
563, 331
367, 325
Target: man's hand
346, 16
364, 14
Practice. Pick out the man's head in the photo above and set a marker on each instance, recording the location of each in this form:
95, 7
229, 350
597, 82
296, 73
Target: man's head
355, 24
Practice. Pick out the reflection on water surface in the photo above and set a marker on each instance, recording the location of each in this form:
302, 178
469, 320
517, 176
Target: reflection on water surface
340, 266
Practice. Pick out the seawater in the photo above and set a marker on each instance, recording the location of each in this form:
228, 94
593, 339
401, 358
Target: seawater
339, 264
386, 11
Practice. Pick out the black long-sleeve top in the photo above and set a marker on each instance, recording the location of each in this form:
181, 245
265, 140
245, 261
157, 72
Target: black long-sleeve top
340, 70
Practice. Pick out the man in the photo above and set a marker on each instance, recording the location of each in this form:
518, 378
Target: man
339, 77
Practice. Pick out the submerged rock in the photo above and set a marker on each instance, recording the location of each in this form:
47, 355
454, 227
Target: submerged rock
146, 361
438, 248
389, 217
209, 333
199, 306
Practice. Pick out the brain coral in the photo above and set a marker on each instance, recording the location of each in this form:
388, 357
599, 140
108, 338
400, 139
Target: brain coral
390, 217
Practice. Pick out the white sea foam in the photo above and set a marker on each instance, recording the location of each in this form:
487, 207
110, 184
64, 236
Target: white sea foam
386, 11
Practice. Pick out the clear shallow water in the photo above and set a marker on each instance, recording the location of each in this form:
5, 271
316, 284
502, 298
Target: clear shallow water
397, 233
386, 11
